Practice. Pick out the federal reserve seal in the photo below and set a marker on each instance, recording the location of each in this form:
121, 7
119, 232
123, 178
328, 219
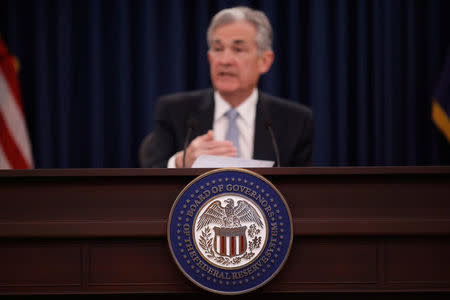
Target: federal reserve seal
230, 231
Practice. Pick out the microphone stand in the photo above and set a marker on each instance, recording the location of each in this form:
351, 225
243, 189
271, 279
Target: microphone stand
268, 125
191, 123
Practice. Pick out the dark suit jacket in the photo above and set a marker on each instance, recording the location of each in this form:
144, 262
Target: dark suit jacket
292, 124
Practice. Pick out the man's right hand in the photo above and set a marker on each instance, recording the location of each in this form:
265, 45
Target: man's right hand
205, 144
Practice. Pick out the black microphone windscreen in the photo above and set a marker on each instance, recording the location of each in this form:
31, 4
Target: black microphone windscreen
267, 122
192, 122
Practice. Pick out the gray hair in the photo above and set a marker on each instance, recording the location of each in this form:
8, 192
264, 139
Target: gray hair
264, 33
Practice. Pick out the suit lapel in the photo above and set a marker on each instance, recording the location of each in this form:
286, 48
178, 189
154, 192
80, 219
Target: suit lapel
263, 148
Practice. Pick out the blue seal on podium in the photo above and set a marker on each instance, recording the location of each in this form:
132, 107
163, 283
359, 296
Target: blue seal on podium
230, 231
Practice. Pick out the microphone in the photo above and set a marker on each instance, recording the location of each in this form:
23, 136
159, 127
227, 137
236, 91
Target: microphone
268, 125
191, 124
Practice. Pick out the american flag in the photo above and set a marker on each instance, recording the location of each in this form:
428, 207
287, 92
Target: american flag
15, 146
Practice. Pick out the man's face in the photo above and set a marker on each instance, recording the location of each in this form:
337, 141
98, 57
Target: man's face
235, 63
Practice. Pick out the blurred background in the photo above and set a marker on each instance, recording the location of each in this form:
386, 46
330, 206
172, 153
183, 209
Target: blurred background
92, 70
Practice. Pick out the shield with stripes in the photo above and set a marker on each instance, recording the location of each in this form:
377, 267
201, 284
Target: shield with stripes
230, 241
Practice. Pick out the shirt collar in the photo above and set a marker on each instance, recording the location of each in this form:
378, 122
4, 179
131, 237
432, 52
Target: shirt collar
246, 110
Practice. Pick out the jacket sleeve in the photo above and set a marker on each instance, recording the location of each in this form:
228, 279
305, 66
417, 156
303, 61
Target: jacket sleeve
305, 142
162, 143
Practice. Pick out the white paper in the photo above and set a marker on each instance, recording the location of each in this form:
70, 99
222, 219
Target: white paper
213, 161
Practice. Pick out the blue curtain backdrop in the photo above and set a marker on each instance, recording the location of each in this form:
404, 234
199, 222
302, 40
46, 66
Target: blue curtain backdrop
92, 70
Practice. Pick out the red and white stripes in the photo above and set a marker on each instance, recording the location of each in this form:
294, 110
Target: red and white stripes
230, 245
15, 146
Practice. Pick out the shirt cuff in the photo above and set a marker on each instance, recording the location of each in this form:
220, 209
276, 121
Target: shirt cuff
171, 162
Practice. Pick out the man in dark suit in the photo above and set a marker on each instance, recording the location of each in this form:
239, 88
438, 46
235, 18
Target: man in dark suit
233, 119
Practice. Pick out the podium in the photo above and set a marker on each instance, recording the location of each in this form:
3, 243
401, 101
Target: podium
371, 230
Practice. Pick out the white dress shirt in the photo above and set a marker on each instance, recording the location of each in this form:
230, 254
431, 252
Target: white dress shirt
245, 123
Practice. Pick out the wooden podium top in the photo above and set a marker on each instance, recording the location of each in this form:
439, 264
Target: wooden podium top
137, 202
197, 171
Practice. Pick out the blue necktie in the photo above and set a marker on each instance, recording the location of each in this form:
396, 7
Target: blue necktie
233, 131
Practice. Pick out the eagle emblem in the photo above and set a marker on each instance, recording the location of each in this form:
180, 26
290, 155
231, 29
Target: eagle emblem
229, 216
230, 237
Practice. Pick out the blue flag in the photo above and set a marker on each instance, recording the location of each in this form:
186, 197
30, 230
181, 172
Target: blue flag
440, 110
